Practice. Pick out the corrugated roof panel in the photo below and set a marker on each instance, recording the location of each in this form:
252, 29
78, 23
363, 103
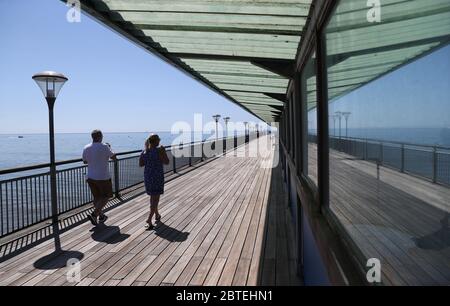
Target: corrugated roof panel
219, 42
360, 52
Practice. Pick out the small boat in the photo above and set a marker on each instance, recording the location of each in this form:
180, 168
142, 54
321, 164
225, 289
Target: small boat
20, 137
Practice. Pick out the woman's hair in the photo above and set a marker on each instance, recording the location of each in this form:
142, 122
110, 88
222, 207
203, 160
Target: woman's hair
151, 140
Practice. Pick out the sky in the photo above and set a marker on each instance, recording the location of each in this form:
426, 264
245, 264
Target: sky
113, 84
414, 96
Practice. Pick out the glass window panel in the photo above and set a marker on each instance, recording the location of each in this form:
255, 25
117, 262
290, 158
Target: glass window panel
309, 98
389, 100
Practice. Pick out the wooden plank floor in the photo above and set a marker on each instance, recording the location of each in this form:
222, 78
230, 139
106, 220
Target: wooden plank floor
213, 232
400, 219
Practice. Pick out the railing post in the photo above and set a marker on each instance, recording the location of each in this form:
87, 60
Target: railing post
116, 178
174, 162
203, 151
366, 155
402, 158
381, 153
190, 154
435, 160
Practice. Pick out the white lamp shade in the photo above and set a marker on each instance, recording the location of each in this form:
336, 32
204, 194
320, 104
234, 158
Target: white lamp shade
50, 83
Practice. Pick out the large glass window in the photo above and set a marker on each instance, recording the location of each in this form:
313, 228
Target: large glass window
309, 100
389, 105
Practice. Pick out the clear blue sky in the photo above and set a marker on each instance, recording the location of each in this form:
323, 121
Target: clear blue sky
414, 96
113, 84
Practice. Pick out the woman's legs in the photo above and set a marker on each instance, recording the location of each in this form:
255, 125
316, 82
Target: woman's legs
158, 216
154, 200
155, 203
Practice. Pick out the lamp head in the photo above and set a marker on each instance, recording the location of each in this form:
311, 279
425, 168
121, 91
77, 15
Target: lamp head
50, 83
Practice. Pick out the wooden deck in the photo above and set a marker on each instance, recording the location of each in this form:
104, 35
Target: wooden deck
400, 219
215, 230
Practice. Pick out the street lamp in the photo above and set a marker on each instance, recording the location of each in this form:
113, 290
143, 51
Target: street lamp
334, 124
51, 83
245, 131
245, 127
226, 119
346, 115
339, 116
216, 118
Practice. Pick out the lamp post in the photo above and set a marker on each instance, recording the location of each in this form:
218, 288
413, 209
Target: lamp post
216, 118
245, 130
346, 115
334, 124
51, 83
226, 119
339, 116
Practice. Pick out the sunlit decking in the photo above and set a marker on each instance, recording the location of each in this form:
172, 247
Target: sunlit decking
224, 222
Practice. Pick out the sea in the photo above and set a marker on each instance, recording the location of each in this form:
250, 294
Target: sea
17, 150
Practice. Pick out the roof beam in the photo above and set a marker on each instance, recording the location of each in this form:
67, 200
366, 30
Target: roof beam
338, 58
222, 29
262, 107
215, 57
285, 68
276, 96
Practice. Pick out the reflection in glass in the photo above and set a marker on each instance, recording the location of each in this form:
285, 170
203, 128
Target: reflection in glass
309, 97
389, 100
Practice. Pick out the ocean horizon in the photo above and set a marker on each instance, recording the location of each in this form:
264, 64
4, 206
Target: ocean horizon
32, 149
18, 150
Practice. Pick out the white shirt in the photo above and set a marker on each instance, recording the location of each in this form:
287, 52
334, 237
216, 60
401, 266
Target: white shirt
97, 155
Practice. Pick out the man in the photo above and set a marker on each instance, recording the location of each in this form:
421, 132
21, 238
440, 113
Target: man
96, 155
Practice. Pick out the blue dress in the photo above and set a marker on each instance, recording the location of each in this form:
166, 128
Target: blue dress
153, 172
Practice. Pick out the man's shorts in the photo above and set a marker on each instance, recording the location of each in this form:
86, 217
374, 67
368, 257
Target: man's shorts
101, 188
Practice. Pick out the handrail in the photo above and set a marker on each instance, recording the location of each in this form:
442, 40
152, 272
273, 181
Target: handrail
77, 160
433, 163
388, 142
25, 200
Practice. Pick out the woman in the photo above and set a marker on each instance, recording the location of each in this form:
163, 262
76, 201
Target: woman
153, 158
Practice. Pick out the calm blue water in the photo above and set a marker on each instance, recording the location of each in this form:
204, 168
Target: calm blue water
421, 136
34, 148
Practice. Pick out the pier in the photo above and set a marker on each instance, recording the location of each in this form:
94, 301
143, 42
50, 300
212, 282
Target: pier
224, 223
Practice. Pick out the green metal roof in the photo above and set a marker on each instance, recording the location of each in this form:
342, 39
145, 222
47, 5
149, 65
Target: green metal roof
216, 41
232, 46
360, 52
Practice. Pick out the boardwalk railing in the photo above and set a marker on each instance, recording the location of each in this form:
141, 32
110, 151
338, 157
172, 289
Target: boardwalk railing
25, 197
430, 162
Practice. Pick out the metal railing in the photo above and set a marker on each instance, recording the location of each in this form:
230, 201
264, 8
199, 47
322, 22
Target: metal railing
430, 162
25, 197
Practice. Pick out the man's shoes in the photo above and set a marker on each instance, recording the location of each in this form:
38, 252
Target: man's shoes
102, 218
93, 219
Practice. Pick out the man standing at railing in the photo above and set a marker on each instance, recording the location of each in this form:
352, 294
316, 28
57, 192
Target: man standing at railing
96, 155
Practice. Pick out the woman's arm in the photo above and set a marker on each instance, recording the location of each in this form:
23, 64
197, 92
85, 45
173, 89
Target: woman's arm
141, 160
163, 156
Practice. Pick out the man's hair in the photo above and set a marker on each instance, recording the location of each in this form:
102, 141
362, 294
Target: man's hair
96, 135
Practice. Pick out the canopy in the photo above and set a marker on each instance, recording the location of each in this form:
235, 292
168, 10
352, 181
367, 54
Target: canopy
245, 49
